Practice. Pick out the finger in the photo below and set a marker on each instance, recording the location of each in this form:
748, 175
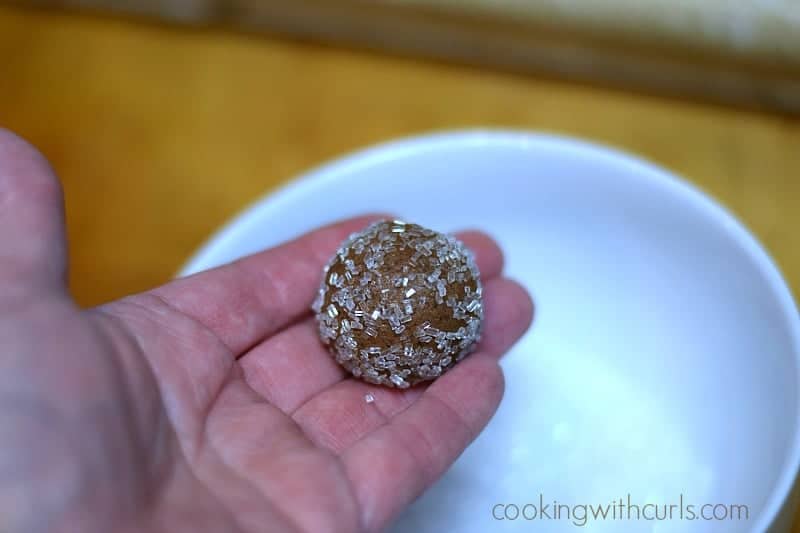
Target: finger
394, 464
339, 416
247, 300
488, 255
32, 240
292, 366
396, 446
508, 313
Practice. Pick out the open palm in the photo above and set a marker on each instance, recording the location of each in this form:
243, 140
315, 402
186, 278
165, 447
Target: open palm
209, 404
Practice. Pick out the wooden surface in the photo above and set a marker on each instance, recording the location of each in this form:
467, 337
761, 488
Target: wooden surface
161, 134
744, 54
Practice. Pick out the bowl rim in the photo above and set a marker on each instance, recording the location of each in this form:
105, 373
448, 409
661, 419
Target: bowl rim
411, 146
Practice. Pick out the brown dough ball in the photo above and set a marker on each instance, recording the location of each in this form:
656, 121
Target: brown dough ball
400, 304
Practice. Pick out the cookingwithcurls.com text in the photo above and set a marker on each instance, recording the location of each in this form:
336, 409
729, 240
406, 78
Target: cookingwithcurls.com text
626, 508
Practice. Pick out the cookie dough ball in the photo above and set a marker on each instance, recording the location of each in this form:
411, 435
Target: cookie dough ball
400, 304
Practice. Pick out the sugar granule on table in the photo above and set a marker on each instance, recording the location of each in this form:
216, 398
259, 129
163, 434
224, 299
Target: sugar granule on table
400, 304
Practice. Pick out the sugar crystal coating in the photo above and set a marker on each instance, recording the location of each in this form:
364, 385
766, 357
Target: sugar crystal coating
400, 304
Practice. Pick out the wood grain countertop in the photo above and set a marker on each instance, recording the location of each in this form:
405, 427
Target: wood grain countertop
162, 134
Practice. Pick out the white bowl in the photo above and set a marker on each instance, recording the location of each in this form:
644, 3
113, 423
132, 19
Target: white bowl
663, 362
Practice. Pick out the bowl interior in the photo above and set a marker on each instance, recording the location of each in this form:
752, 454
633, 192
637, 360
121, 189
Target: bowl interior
663, 360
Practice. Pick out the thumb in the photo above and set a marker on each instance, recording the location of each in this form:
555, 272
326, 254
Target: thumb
32, 240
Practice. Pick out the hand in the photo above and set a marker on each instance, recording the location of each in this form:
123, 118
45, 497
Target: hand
208, 404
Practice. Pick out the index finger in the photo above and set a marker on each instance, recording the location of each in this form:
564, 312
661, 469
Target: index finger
247, 300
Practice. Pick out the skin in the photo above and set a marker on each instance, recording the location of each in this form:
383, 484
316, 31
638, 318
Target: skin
208, 404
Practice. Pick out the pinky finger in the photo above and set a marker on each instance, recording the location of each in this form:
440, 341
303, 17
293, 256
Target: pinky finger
393, 464
391, 467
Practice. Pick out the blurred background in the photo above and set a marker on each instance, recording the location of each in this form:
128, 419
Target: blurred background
166, 118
